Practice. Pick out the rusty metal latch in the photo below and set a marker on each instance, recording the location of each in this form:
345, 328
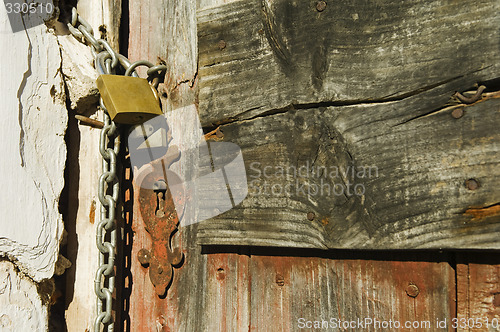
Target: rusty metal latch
161, 219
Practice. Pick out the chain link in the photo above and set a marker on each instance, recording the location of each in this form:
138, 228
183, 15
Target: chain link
106, 61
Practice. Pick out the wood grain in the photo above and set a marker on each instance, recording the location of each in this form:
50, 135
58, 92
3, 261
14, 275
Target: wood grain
166, 32
316, 290
302, 161
279, 53
358, 87
478, 292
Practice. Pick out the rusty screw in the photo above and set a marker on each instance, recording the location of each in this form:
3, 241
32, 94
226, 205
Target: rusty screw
222, 44
412, 290
457, 113
310, 216
472, 184
320, 6
144, 257
280, 281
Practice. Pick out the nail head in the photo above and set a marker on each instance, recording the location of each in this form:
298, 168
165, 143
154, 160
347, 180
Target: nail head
457, 113
222, 44
412, 290
320, 6
472, 184
310, 216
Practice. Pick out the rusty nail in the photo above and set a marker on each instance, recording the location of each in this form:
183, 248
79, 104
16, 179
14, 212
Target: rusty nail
221, 274
280, 281
472, 184
310, 216
89, 122
472, 99
320, 6
412, 290
222, 44
144, 257
457, 113
219, 133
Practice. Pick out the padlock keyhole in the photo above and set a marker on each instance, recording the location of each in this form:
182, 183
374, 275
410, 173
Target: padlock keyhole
160, 189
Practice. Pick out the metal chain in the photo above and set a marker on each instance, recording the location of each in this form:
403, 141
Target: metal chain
106, 61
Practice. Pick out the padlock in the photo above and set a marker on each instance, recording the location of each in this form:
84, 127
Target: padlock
128, 100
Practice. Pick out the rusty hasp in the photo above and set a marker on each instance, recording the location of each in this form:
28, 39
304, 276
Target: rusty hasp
161, 219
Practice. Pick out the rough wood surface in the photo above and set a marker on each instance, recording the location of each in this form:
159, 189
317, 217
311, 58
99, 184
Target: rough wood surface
408, 189
34, 120
21, 306
167, 32
258, 56
364, 144
478, 292
298, 293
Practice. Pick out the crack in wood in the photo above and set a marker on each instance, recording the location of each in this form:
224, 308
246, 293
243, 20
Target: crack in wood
483, 212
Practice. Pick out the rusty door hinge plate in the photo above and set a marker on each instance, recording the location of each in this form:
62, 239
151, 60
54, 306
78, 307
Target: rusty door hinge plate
161, 220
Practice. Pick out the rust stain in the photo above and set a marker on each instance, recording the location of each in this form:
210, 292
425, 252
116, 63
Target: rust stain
92, 212
483, 212
325, 221
161, 223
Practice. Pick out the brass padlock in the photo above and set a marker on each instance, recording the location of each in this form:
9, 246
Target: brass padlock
129, 100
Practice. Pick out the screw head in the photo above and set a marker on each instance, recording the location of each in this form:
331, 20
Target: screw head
320, 6
412, 290
457, 113
472, 184
222, 44
144, 257
310, 216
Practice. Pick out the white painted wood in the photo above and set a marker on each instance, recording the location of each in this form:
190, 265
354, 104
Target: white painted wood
79, 74
33, 151
21, 308
85, 164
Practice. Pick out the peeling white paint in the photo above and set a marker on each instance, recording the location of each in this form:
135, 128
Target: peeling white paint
21, 308
32, 150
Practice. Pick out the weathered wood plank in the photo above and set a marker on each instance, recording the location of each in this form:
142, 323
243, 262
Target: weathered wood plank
478, 292
279, 53
299, 293
227, 292
166, 32
379, 175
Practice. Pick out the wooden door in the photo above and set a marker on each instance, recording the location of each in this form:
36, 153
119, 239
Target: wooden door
332, 89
